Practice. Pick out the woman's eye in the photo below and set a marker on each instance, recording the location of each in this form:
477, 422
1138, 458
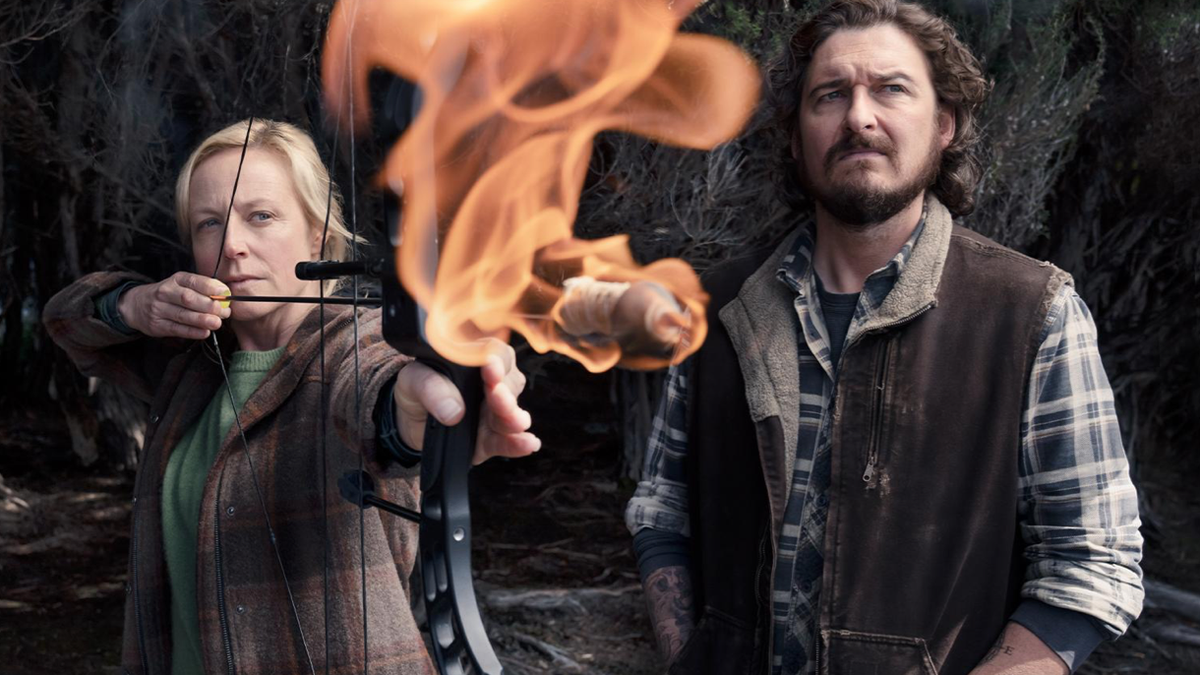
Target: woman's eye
261, 216
206, 224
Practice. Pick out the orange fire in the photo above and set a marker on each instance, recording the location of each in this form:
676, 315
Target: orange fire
513, 92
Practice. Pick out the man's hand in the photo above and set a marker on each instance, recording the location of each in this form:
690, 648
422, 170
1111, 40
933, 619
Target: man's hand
178, 306
503, 425
1019, 652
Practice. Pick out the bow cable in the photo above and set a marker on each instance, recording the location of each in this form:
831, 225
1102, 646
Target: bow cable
362, 512
354, 256
325, 403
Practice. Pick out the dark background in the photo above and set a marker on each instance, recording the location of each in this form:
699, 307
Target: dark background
1091, 154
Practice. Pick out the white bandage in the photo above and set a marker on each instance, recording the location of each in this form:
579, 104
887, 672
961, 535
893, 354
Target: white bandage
586, 306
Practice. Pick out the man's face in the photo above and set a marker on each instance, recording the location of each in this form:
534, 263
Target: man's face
871, 132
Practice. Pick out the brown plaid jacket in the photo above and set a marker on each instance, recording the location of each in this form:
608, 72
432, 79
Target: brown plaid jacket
246, 621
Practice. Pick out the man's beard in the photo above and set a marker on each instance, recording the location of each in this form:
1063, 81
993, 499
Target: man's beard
859, 205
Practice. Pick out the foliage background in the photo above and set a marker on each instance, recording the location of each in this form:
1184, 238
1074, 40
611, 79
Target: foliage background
1091, 153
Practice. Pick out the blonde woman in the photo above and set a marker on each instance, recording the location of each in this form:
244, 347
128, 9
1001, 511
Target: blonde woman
207, 590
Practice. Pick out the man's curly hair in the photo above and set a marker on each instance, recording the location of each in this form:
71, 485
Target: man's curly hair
957, 80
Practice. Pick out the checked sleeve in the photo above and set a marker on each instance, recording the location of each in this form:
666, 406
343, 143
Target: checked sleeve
661, 501
1078, 510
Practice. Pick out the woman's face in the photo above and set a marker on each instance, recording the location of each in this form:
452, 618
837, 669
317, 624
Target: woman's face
267, 234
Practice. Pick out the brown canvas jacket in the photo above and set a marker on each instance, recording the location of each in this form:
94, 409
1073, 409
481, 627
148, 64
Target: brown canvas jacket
247, 624
922, 561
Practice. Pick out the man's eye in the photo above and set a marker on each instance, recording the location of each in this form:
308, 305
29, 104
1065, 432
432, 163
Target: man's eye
893, 88
830, 96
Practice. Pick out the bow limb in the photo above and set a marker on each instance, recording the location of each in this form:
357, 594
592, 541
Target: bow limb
455, 624
460, 642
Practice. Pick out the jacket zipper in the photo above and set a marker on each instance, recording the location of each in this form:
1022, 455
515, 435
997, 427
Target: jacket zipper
872, 451
226, 640
817, 649
872, 455
877, 414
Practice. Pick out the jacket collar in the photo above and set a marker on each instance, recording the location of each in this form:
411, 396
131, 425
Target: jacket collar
764, 330
919, 285
916, 288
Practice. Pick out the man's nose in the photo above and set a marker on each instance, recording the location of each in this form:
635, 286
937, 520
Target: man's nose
860, 116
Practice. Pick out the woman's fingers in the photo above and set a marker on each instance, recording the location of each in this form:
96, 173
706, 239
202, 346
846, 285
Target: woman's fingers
419, 392
187, 317
178, 306
167, 328
507, 445
503, 424
500, 369
501, 363
503, 414
195, 292
503, 427
165, 313
203, 285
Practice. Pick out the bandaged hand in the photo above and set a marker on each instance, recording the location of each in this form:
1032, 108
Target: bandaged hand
642, 317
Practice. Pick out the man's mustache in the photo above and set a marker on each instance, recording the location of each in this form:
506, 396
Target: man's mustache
858, 142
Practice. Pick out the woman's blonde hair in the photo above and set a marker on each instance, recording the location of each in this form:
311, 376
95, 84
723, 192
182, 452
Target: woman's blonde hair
309, 176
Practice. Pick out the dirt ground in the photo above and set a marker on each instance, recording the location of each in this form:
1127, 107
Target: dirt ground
555, 576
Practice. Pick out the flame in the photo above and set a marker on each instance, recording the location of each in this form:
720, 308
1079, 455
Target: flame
513, 93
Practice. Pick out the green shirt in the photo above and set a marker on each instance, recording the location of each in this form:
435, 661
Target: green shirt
183, 490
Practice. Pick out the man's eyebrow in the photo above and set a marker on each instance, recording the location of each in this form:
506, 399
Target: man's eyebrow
828, 84
838, 82
894, 75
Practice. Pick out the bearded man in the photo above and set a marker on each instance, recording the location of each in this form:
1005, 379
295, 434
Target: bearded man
897, 451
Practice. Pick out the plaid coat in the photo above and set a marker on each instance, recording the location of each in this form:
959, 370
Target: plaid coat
247, 623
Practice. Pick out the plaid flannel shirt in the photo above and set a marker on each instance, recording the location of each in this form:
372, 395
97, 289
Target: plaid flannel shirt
1078, 509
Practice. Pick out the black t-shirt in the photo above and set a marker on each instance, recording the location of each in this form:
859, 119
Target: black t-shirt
838, 310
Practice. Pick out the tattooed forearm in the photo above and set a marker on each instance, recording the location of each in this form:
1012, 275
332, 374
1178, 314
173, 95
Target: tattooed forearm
1019, 652
669, 599
997, 649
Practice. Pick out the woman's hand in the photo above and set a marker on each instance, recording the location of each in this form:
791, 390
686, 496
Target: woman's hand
503, 425
178, 306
